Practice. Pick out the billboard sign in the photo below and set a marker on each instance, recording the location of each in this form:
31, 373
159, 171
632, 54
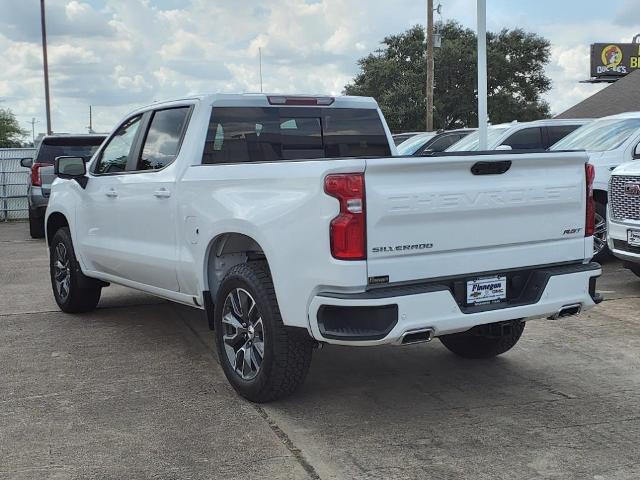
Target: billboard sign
614, 59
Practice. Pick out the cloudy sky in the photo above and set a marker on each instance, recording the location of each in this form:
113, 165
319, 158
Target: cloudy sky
118, 54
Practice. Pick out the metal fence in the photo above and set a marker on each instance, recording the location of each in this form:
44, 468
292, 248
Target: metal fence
14, 180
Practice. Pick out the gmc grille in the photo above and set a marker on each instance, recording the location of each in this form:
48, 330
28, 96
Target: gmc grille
623, 206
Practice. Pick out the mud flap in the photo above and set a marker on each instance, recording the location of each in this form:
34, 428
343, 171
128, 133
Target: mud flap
208, 307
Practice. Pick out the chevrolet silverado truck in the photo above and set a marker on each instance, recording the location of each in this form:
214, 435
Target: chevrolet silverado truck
290, 221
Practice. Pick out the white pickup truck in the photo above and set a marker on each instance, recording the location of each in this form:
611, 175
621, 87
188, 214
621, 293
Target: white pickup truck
288, 220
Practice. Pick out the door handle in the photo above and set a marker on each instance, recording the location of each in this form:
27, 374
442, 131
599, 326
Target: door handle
162, 193
111, 193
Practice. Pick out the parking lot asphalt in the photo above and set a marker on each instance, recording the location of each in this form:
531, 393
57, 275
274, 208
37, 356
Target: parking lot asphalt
134, 390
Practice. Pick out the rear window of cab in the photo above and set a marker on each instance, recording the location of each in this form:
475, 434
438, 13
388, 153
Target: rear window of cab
268, 134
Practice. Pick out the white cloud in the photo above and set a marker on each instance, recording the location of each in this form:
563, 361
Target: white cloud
119, 54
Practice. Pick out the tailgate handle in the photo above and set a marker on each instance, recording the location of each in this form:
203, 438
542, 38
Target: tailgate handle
491, 168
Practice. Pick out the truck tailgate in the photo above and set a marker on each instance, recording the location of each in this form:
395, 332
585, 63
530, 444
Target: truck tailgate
432, 217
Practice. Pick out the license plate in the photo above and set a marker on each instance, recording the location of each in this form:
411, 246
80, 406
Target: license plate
633, 238
486, 290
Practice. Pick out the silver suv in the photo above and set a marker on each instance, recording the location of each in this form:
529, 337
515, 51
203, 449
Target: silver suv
42, 175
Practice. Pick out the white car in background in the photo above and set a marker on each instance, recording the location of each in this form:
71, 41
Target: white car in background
536, 135
609, 141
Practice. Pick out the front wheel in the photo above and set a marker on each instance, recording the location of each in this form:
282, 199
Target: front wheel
66, 277
485, 341
261, 357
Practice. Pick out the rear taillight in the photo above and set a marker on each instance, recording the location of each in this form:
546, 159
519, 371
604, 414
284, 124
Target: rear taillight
590, 220
348, 229
36, 181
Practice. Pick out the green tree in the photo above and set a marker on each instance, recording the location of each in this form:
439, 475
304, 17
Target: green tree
10, 131
396, 75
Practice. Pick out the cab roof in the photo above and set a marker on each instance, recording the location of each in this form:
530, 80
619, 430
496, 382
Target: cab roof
268, 99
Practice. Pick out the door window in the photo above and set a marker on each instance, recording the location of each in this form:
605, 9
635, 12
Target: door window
163, 139
115, 155
558, 132
442, 143
526, 139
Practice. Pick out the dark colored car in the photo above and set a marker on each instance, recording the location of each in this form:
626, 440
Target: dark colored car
40, 185
427, 143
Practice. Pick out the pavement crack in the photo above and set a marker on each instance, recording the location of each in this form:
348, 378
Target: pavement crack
279, 433
286, 440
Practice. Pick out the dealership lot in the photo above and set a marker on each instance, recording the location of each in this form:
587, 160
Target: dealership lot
134, 390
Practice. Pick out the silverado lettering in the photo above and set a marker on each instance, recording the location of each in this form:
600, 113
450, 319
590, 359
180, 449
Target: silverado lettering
397, 248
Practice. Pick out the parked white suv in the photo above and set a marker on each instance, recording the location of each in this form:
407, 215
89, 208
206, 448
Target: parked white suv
609, 142
624, 215
289, 222
536, 135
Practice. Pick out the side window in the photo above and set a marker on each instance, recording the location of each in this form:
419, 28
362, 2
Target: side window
526, 139
163, 138
116, 153
442, 143
558, 132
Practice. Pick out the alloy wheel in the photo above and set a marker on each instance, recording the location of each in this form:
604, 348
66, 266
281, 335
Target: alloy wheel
243, 333
599, 234
62, 272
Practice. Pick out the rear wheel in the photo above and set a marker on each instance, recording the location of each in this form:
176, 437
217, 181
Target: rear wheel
261, 357
600, 248
485, 341
36, 226
66, 278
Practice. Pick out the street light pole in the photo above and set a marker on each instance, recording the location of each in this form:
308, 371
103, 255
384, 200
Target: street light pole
482, 74
430, 65
46, 67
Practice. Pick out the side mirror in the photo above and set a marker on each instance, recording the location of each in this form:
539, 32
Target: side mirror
504, 147
26, 162
636, 151
426, 153
73, 168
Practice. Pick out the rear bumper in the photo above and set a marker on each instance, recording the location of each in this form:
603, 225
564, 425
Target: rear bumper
384, 315
38, 200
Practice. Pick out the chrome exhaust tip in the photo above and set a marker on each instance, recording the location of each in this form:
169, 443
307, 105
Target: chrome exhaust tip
418, 335
567, 311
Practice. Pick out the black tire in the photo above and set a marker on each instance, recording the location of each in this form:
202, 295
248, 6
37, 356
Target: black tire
286, 350
485, 341
81, 293
634, 267
605, 253
36, 226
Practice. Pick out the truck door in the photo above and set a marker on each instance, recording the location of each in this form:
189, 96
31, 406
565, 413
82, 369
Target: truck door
149, 219
99, 214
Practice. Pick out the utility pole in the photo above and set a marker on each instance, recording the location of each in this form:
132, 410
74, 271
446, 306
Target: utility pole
482, 74
430, 65
90, 121
33, 131
46, 67
260, 61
